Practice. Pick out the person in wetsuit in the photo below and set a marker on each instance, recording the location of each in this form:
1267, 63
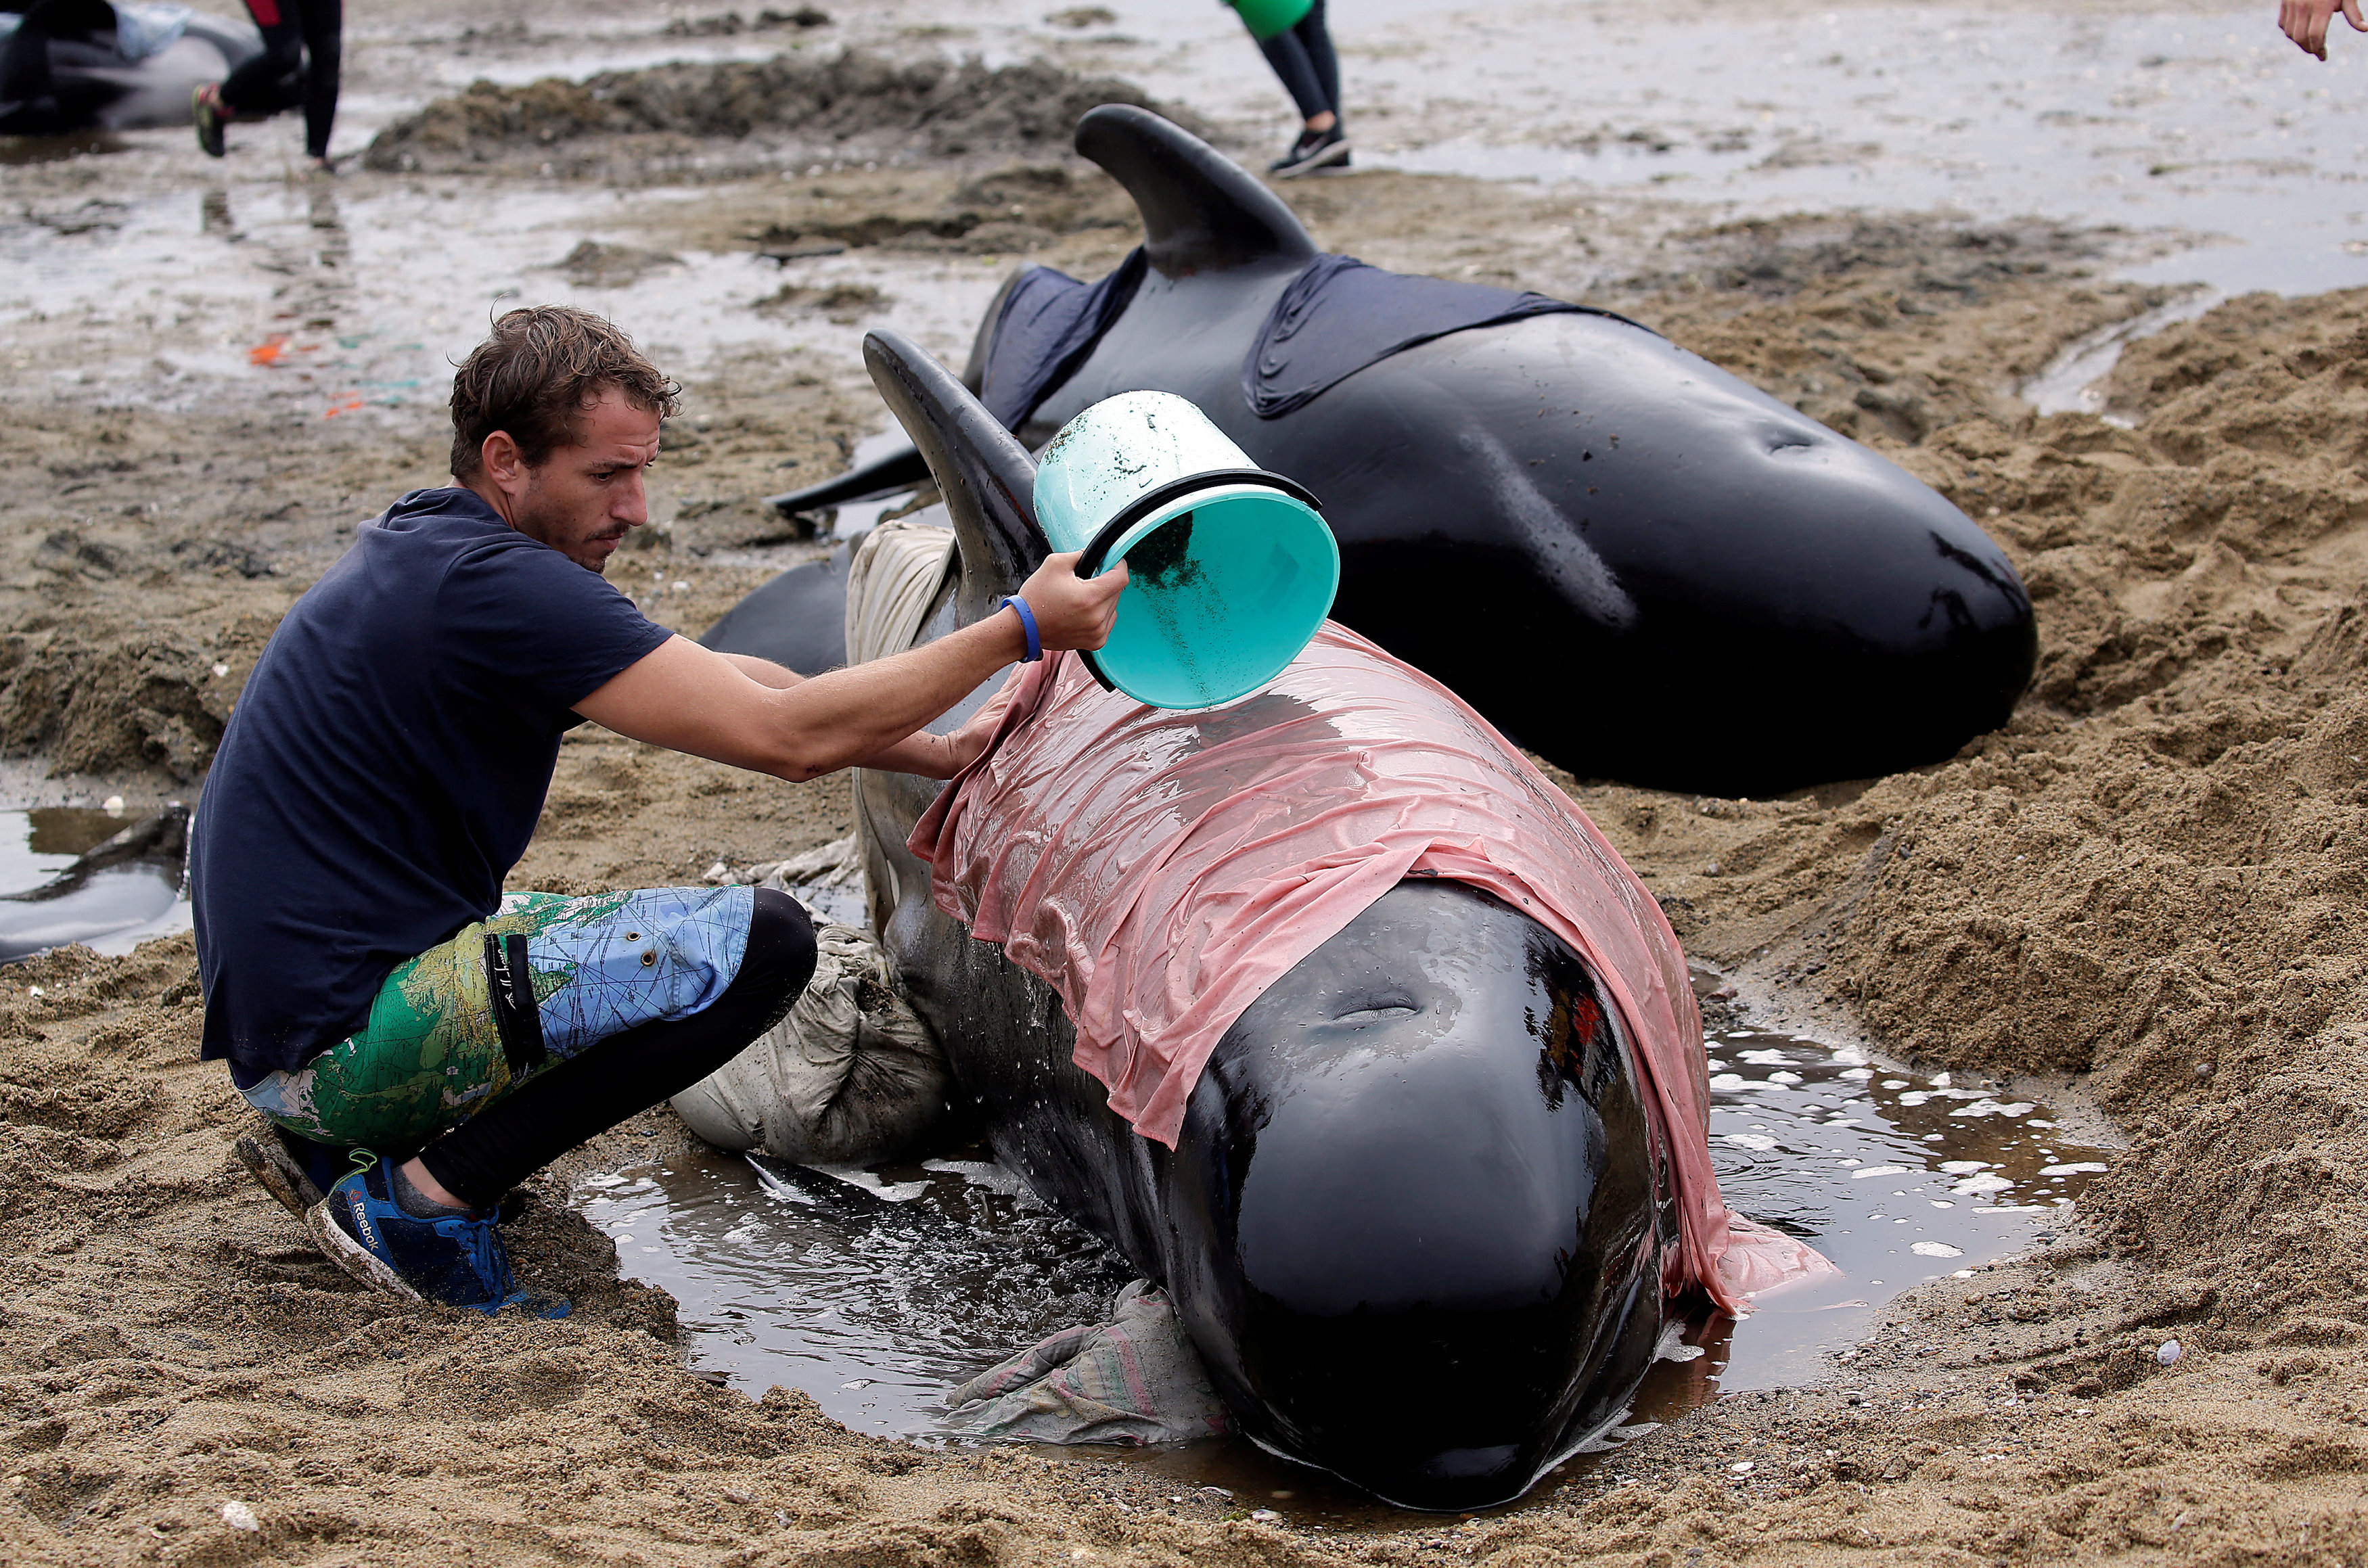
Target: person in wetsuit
304, 51
376, 993
34, 102
1304, 61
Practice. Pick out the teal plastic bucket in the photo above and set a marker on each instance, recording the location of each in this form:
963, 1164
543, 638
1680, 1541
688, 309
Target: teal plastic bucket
1271, 18
1230, 569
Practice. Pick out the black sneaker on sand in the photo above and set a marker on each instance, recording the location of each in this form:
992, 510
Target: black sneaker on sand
277, 1173
296, 1171
1313, 150
209, 123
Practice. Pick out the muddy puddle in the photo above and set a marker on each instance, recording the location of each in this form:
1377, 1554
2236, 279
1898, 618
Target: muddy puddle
108, 879
329, 301
878, 1290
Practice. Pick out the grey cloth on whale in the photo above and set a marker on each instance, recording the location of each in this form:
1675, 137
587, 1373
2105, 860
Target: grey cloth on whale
1048, 324
852, 1075
831, 865
1135, 1379
1337, 317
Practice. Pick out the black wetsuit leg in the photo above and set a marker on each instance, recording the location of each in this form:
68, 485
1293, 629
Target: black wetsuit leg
1304, 60
627, 1074
270, 81
323, 22
303, 54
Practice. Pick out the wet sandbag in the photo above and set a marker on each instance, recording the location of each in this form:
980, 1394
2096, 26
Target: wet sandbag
1135, 1380
851, 1076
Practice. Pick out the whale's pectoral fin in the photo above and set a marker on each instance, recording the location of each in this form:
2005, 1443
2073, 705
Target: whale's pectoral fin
900, 470
1201, 211
985, 476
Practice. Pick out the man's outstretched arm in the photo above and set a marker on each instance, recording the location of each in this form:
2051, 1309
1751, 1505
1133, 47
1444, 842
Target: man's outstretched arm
930, 756
693, 699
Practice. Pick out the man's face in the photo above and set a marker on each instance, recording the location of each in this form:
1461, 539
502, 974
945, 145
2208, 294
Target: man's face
585, 500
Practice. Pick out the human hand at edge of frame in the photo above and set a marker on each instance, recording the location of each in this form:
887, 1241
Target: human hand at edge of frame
1073, 611
2307, 21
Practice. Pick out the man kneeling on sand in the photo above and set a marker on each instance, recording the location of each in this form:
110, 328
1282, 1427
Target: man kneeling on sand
376, 994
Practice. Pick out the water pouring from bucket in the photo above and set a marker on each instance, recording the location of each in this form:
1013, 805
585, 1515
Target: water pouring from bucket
1230, 569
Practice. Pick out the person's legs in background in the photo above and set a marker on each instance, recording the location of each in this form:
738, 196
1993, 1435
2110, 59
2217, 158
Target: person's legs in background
1316, 37
323, 22
1309, 68
301, 62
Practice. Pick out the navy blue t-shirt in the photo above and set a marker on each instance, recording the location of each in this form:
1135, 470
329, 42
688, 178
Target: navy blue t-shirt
385, 766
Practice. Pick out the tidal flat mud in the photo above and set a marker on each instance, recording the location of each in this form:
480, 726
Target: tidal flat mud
2145, 889
621, 124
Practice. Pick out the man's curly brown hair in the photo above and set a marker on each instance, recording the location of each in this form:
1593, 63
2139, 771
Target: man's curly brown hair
534, 378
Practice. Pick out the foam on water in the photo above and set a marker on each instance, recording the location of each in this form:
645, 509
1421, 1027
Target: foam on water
875, 1291
1896, 1177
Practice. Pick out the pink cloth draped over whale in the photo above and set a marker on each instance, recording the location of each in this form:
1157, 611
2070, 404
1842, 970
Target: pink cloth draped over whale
1160, 870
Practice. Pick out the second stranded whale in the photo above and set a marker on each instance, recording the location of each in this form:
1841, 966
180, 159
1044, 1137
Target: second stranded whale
1634, 563
1323, 1006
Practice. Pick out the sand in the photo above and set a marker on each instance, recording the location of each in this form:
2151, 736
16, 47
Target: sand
2142, 891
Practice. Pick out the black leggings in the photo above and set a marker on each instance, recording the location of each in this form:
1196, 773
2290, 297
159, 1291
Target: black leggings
626, 1074
302, 51
1302, 57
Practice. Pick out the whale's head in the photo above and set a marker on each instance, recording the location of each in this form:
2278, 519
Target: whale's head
1774, 603
1413, 1214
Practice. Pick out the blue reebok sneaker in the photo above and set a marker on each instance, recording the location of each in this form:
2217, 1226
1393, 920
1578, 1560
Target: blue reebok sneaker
457, 1259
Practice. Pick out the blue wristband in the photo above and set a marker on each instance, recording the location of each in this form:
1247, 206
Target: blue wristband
1028, 621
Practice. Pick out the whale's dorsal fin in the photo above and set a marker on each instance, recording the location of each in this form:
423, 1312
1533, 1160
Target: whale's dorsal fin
985, 476
1201, 212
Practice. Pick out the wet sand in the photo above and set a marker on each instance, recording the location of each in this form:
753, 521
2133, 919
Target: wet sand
2142, 893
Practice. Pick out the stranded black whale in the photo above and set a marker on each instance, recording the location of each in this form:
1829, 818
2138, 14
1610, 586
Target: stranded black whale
1634, 563
1418, 1213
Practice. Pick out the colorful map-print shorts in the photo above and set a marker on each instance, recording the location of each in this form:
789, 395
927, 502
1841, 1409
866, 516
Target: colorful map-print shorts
465, 1022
